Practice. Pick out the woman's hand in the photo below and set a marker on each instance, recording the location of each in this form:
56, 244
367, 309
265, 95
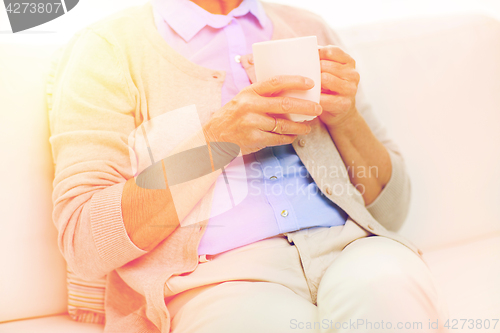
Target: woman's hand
339, 85
245, 120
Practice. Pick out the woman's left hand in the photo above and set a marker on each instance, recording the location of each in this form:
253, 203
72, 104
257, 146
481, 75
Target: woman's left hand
339, 85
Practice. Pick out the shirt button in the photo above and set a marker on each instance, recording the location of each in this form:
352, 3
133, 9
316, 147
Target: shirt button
273, 177
237, 59
328, 190
284, 213
302, 142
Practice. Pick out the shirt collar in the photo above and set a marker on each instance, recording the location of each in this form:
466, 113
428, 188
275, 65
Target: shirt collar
187, 19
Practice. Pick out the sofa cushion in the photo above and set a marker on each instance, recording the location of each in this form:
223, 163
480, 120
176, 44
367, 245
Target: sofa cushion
51, 324
33, 281
86, 299
435, 83
469, 276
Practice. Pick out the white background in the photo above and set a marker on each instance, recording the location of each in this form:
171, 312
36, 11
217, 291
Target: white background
339, 14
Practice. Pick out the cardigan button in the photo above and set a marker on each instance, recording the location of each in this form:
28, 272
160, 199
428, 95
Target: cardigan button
203, 258
302, 142
328, 190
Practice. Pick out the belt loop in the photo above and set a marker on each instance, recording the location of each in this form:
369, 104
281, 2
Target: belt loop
289, 238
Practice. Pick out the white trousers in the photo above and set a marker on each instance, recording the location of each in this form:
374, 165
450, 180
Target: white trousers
337, 279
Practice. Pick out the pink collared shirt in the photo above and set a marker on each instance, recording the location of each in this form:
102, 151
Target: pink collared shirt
202, 37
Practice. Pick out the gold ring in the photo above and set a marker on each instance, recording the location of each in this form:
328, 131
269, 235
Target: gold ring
275, 125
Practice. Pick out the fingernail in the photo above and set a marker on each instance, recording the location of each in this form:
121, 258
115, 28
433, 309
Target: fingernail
318, 109
309, 82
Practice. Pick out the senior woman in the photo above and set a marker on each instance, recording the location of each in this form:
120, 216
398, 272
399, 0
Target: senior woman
323, 259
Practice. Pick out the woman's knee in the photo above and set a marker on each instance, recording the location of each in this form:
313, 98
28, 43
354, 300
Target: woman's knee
373, 266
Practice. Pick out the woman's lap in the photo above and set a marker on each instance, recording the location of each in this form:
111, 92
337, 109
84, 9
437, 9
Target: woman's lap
373, 278
243, 306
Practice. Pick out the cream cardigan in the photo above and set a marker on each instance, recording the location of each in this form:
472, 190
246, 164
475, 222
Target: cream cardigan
119, 73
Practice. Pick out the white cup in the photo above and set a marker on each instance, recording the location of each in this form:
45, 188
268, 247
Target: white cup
293, 56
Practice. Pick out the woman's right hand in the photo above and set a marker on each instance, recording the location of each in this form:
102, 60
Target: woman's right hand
245, 120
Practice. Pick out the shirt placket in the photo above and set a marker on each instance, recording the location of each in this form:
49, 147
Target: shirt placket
237, 47
274, 188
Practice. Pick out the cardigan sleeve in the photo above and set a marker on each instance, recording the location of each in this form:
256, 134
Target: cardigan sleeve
92, 112
391, 206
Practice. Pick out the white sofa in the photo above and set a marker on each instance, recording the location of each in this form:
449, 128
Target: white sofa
435, 82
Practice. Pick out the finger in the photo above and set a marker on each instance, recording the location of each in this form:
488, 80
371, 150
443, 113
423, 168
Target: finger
280, 83
335, 84
335, 104
286, 105
331, 66
340, 70
273, 139
335, 53
285, 126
